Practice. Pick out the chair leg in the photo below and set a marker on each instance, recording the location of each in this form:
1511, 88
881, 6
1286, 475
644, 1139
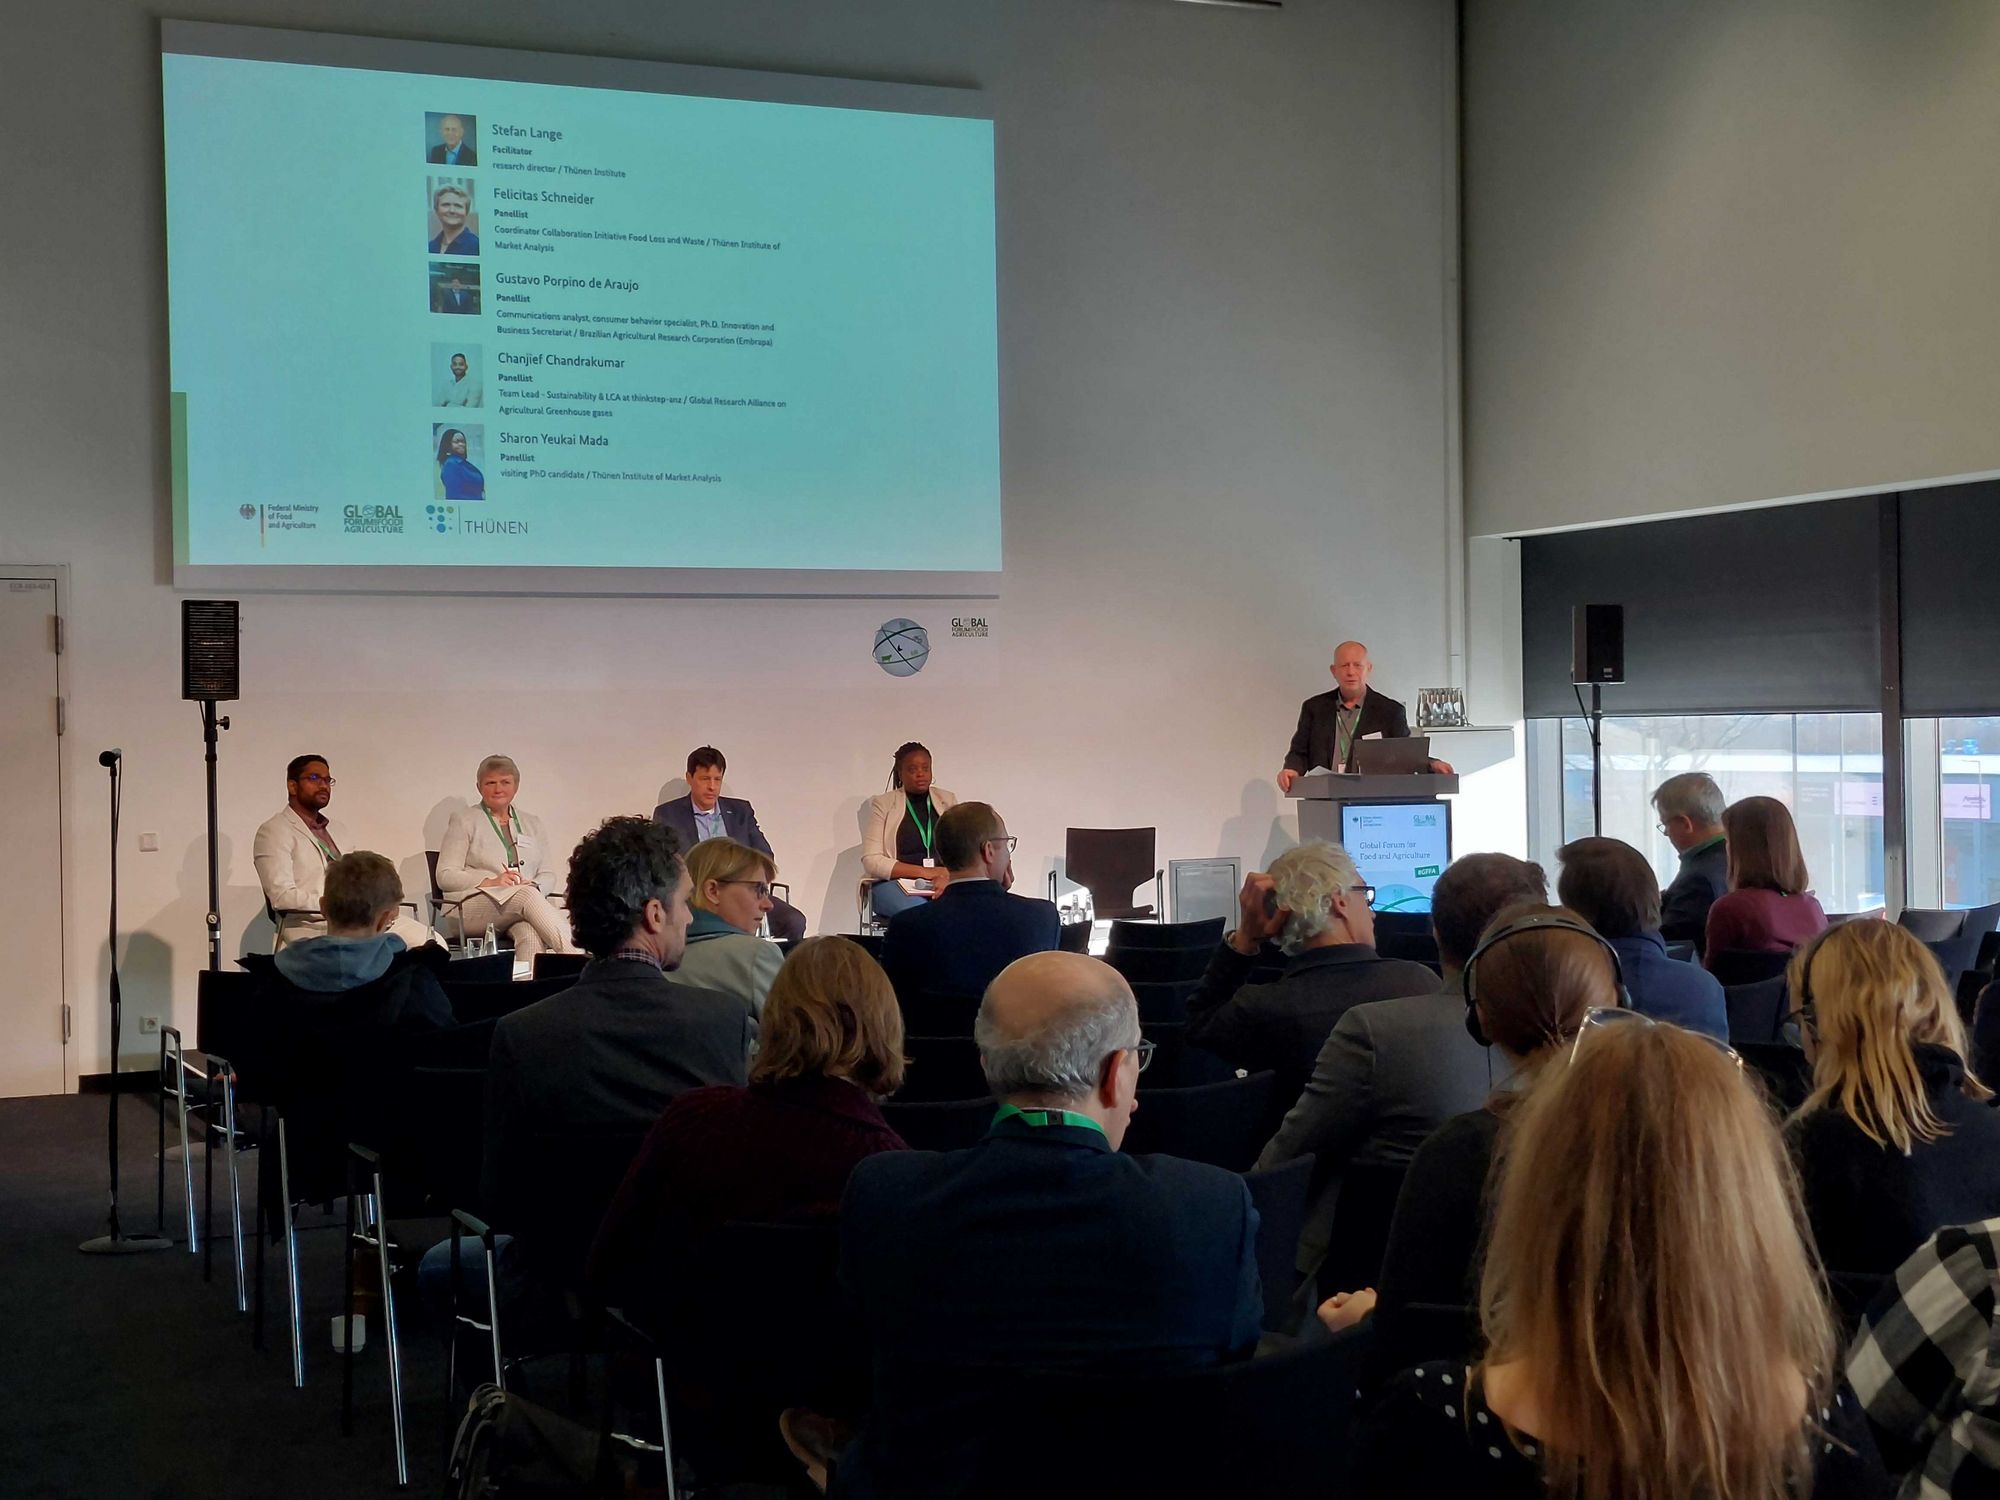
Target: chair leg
235, 1183
389, 1335
291, 1256
666, 1429
208, 1181
347, 1318
187, 1162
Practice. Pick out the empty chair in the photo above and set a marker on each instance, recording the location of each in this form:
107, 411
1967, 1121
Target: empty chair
488, 1002
1281, 1195
941, 1069
942, 1125
1732, 968
1360, 1234
446, 1111
1402, 934
1164, 1002
1073, 937
1224, 1124
1111, 863
1202, 935
481, 968
1957, 938
1756, 1011
871, 942
1930, 924
1179, 1063
1160, 965
467, 1046
556, 965
557, 1197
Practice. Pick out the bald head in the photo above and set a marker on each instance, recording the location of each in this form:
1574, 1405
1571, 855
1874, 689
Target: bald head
1351, 667
1047, 1024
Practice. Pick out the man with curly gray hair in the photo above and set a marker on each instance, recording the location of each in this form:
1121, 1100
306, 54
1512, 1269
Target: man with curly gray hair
1314, 905
1042, 1247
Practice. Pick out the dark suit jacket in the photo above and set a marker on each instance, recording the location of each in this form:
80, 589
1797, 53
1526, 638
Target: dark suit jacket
1284, 1025
1668, 989
1704, 876
467, 156
610, 1050
1036, 1249
1319, 727
956, 944
739, 822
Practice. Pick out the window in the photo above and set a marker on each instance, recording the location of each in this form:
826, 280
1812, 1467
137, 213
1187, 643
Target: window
1826, 767
1968, 778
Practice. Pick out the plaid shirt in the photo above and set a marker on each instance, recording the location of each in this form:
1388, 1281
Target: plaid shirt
1926, 1367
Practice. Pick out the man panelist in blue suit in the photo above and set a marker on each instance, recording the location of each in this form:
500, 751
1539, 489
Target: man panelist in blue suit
704, 813
958, 942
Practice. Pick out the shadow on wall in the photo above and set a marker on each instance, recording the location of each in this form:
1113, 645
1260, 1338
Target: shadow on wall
145, 980
836, 876
1259, 824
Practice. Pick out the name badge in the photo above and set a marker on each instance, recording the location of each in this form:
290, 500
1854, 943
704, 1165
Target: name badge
929, 862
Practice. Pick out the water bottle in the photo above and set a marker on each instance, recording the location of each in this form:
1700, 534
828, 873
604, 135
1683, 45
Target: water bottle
492, 943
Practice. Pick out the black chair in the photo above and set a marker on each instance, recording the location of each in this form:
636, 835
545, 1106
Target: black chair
558, 965
1201, 936
1932, 924
557, 1193
1414, 1333
454, 906
1756, 1011
1988, 956
1407, 935
481, 968
1971, 985
942, 1069
1275, 1428
487, 1002
467, 1046
934, 1013
1073, 937
446, 1108
1224, 1124
950, 1125
1732, 969
1164, 1001
1783, 1069
1282, 1196
1179, 1063
1683, 952
871, 942
1360, 1234
1160, 965
1110, 863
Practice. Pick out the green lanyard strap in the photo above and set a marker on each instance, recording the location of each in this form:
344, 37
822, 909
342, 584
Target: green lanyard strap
924, 830
1039, 1119
505, 837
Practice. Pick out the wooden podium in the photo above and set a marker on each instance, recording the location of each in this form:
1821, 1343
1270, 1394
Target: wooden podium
1321, 798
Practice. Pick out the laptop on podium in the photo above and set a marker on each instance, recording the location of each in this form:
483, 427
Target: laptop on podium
1409, 756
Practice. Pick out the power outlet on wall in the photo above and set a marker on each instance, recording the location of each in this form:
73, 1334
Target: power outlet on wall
149, 1025
149, 843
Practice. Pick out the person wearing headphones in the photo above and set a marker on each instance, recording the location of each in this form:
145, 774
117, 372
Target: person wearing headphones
1537, 973
901, 839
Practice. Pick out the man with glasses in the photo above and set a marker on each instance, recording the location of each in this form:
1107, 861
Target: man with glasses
704, 813
1315, 906
956, 944
293, 849
1042, 1247
1690, 808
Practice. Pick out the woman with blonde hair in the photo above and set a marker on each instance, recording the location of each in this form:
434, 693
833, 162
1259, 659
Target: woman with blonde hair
729, 891
829, 1046
1895, 1141
496, 867
1768, 907
1656, 1328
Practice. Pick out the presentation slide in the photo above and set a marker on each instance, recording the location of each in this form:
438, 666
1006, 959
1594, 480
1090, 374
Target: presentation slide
1400, 848
424, 320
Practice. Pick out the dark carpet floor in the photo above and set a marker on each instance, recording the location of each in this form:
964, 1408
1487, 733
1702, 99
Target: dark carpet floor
129, 1377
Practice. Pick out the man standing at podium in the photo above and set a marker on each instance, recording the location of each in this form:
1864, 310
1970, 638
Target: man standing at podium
1331, 724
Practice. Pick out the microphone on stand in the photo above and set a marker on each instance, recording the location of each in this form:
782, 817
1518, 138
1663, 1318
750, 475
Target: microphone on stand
110, 757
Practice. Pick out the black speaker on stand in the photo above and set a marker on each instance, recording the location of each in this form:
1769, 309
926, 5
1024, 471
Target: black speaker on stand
211, 673
1596, 656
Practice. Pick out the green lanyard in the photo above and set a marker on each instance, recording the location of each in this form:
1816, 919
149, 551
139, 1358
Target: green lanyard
513, 854
1343, 731
1041, 1118
924, 830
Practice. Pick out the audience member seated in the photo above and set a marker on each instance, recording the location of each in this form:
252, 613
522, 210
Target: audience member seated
1895, 1141
731, 885
778, 1151
704, 813
900, 842
1767, 908
1040, 1248
1534, 976
1926, 1365
1393, 1071
624, 1040
1654, 1325
959, 943
1690, 811
1609, 884
292, 850
494, 859
1316, 906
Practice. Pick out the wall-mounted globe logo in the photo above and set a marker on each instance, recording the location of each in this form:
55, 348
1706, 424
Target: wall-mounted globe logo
902, 647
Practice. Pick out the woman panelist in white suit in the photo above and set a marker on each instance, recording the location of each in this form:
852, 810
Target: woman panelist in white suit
497, 859
902, 833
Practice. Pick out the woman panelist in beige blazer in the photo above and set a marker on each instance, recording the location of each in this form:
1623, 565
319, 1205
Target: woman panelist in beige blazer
902, 833
497, 858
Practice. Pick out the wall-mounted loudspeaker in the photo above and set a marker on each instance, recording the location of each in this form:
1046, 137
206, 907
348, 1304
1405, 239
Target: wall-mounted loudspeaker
1597, 643
209, 650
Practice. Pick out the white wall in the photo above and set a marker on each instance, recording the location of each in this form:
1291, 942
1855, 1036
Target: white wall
1224, 392
1726, 251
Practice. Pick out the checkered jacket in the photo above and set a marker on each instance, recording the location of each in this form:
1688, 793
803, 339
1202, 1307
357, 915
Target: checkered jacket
1926, 1367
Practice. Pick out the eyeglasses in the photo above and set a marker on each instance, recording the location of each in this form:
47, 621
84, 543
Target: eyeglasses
1366, 893
316, 781
1806, 1019
1599, 1017
1011, 840
1144, 1052
763, 891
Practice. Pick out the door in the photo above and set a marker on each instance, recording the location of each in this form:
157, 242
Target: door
31, 993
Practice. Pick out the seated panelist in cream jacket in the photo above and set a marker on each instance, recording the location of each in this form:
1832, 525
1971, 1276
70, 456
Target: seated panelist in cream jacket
901, 838
498, 860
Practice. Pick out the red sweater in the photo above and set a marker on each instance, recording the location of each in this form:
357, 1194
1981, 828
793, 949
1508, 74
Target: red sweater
1760, 921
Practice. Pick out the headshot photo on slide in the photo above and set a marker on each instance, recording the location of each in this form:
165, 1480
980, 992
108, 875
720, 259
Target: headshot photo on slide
453, 221
454, 287
451, 140
456, 375
456, 455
